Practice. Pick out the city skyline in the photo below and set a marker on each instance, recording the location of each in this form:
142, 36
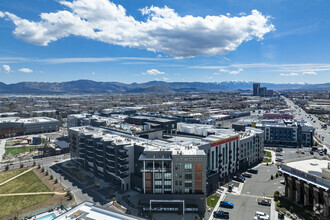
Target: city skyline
278, 42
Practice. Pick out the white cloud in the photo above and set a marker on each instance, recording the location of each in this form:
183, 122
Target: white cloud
6, 68
93, 73
26, 70
153, 72
309, 73
289, 74
2, 14
232, 72
163, 30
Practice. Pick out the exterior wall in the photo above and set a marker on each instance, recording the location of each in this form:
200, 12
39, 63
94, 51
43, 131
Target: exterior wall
42, 127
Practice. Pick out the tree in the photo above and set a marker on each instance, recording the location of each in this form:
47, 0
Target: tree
39, 166
21, 165
56, 181
51, 177
276, 175
34, 163
7, 167
46, 174
271, 177
42, 169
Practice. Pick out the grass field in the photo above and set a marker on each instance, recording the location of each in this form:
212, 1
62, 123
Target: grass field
9, 174
268, 154
267, 160
212, 200
18, 150
28, 182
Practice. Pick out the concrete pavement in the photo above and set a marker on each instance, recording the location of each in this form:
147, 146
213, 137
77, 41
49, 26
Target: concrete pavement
2, 148
222, 197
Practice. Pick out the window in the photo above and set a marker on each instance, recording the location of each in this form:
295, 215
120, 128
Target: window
188, 176
188, 183
157, 183
168, 176
167, 183
188, 166
180, 183
186, 190
158, 191
158, 175
176, 182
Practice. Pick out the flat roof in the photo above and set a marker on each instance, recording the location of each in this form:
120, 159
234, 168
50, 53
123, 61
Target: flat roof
310, 166
89, 211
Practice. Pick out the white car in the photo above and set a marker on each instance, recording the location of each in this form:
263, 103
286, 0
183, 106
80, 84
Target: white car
261, 215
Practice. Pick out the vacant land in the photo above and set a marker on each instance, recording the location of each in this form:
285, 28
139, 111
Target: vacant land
18, 150
212, 200
28, 182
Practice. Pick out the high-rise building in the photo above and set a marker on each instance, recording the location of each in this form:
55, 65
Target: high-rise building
256, 88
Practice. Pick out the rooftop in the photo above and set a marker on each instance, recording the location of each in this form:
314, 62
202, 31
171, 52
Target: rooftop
310, 166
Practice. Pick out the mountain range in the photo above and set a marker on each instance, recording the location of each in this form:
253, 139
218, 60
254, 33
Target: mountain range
157, 87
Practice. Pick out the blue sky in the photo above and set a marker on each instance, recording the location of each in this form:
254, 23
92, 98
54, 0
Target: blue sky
175, 40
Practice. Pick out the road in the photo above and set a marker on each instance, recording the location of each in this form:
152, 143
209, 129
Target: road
299, 113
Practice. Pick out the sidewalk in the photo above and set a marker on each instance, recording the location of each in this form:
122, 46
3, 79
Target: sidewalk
2, 148
222, 197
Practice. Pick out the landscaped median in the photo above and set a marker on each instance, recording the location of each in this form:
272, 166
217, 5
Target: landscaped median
267, 157
212, 200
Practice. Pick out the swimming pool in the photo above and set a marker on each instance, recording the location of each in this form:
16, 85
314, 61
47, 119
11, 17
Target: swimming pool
47, 217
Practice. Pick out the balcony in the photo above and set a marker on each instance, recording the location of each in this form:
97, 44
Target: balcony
111, 170
110, 158
122, 162
122, 169
110, 154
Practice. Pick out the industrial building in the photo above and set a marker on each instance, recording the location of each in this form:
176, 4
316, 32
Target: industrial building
307, 182
14, 126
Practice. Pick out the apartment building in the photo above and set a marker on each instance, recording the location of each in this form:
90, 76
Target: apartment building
166, 173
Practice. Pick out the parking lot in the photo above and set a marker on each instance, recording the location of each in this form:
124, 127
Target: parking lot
260, 185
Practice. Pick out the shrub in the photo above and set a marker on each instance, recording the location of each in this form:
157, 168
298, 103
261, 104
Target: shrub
56, 181
39, 166
278, 203
42, 169
46, 174
51, 177
271, 177
21, 165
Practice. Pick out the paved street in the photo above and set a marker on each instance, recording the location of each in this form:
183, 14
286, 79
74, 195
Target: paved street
323, 135
260, 185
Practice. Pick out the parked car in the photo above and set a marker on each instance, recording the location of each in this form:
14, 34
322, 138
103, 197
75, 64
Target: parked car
226, 204
261, 215
249, 175
239, 178
278, 159
311, 152
321, 153
255, 171
264, 202
278, 154
221, 214
279, 149
280, 215
302, 152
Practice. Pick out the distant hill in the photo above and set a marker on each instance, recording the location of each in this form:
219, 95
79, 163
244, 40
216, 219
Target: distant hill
157, 87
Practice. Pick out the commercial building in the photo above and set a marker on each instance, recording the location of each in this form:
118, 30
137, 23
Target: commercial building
307, 182
14, 126
167, 125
